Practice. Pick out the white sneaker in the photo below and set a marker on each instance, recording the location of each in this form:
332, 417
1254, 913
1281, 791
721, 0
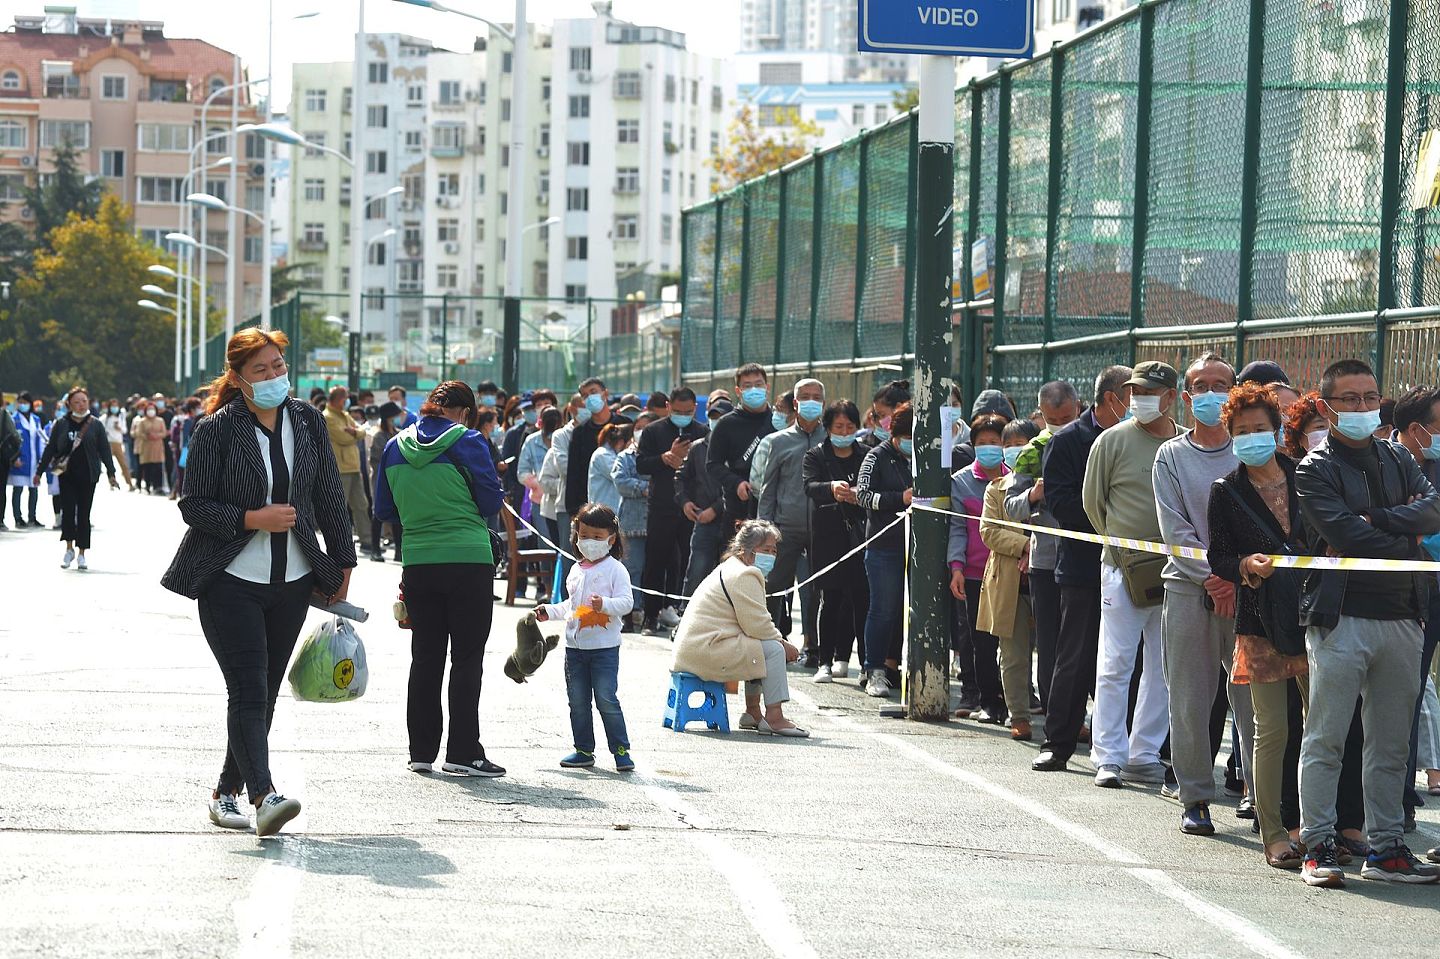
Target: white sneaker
669, 618
840, 670
80, 563
822, 675
225, 812
69, 558
274, 811
421, 767
877, 685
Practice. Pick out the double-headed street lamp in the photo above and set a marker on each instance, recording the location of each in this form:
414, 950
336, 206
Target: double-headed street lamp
514, 267
202, 315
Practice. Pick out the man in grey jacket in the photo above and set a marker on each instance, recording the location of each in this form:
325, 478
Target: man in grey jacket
1198, 613
783, 502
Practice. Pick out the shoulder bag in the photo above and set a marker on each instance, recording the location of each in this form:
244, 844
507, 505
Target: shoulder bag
62, 462
1279, 596
1141, 572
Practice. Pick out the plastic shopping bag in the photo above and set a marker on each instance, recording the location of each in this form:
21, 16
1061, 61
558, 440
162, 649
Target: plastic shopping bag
330, 667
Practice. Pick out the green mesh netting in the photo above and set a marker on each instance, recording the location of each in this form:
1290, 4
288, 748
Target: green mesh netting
882, 303
758, 336
796, 275
698, 319
835, 309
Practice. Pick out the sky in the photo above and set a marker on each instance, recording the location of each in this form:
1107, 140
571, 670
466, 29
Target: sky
712, 27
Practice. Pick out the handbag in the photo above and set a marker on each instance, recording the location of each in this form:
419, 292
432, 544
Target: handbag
62, 462
1141, 573
1279, 596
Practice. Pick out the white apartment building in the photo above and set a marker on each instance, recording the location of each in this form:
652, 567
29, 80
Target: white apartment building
829, 26
786, 86
622, 121
322, 188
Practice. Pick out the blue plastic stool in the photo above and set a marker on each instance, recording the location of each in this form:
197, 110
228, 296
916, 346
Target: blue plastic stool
714, 712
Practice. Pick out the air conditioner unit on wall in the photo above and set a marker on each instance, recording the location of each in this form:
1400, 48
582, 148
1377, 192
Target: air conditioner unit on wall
583, 76
452, 248
27, 160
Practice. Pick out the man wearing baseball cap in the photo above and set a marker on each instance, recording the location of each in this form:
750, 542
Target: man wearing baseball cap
1119, 497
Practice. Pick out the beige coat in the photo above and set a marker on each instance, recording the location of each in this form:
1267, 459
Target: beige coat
718, 638
150, 435
1000, 587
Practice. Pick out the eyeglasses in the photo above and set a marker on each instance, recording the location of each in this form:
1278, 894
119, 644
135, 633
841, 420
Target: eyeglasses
1354, 401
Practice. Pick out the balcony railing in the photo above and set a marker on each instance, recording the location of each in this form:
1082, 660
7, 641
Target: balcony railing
312, 246
57, 91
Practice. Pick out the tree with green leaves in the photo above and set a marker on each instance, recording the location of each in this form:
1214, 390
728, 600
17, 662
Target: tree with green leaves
751, 152
905, 99
77, 313
67, 191
287, 282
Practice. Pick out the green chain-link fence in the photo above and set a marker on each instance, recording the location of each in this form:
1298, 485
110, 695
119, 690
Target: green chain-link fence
1188, 176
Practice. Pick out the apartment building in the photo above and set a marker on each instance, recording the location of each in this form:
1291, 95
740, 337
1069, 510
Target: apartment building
623, 119
133, 103
323, 186
784, 87
827, 26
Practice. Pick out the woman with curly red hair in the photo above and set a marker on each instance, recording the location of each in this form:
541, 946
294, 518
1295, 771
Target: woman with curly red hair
1305, 426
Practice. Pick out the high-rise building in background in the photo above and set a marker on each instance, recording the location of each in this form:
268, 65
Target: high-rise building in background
825, 26
131, 102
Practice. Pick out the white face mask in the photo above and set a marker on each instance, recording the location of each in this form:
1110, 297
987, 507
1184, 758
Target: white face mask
594, 549
1145, 408
1315, 437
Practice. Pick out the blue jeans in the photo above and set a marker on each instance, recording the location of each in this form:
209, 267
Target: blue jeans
595, 673
635, 565
705, 545
562, 540
885, 568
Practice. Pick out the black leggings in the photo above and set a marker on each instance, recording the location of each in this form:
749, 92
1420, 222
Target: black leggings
376, 527
251, 629
152, 475
844, 604
449, 606
76, 497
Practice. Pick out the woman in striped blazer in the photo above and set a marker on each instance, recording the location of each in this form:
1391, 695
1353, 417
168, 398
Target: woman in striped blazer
260, 483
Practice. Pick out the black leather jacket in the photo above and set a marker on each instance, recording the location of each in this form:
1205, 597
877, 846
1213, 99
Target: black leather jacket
1335, 502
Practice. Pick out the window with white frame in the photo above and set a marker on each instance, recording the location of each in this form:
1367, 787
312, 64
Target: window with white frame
574, 291
577, 198
415, 95
480, 230
12, 186
447, 230
254, 250
627, 180
414, 186
627, 85
74, 132
447, 184
14, 135
217, 141
577, 248
114, 87
665, 180
315, 189
450, 94
480, 279
579, 58
627, 227
880, 113
376, 161
376, 254
667, 227
316, 138
254, 197
312, 233
447, 276
378, 72
414, 141
579, 153
627, 131
157, 189
448, 136
112, 163
579, 106
10, 80
315, 101
377, 116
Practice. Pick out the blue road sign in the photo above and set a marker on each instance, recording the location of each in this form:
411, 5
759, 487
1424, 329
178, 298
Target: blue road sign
979, 28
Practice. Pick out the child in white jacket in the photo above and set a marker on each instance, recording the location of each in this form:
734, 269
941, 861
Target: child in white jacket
600, 597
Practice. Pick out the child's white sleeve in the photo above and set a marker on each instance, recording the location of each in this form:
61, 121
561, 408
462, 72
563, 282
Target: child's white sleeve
622, 598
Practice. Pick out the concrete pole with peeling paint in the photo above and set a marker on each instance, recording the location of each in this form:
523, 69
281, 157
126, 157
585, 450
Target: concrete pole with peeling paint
927, 685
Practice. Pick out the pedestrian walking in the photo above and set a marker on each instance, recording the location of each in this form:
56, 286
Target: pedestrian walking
150, 432
437, 480
22, 471
77, 449
345, 441
116, 429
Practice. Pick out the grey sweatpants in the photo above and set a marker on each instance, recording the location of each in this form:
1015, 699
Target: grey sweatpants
775, 687
1197, 646
1379, 661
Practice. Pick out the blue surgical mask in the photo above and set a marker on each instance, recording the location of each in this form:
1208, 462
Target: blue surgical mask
398, 421
487, 399
531, 417
779, 421
842, 440
1205, 407
765, 562
269, 393
989, 456
24, 407
681, 420
1359, 424
1255, 449
1012, 455
582, 416
497, 434
907, 447
114, 410
881, 434
160, 404
1432, 452
754, 398
810, 410
595, 402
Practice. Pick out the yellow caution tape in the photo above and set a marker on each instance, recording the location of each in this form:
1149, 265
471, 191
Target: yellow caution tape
1281, 561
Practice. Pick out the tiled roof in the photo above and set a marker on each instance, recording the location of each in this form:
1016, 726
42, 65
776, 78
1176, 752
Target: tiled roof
160, 57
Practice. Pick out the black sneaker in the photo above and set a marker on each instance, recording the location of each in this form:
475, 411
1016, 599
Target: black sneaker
892, 676
480, 767
1246, 809
812, 659
1398, 864
1321, 868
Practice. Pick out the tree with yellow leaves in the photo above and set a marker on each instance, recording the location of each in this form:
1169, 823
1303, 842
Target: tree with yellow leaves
750, 152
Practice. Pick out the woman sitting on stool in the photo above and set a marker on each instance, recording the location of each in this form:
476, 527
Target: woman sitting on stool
726, 634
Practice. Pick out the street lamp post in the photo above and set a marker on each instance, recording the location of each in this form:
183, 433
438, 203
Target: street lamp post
519, 163
190, 243
357, 176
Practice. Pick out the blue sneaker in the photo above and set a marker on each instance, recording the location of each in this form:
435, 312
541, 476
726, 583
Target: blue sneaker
578, 760
1195, 820
624, 762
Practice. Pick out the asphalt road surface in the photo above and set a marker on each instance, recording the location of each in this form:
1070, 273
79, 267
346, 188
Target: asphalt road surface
875, 837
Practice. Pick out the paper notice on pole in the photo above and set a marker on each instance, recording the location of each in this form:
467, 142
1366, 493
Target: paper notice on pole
950, 419
1426, 192
980, 268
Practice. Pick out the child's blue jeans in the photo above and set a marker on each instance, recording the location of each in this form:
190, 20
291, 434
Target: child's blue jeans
595, 673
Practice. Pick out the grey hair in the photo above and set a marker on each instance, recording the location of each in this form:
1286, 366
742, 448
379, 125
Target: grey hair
753, 533
1111, 380
1057, 393
809, 381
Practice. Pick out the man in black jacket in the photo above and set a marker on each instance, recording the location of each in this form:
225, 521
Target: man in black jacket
733, 441
1366, 498
583, 441
693, 484
664, 447
1077, 570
